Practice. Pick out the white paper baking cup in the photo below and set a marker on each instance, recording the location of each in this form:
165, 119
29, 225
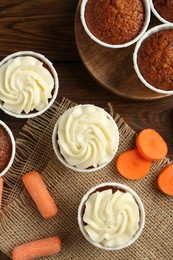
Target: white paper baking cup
53, 72
121, 187
116, 46
161, 19
61, 158
13, 148
135, 57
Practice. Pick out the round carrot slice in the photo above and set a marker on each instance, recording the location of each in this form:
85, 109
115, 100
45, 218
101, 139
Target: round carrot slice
165, 180
151, 145
132, 166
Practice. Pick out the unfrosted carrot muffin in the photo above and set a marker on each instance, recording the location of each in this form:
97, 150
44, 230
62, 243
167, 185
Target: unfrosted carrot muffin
164, 8
155, 59
115, 21
7, 148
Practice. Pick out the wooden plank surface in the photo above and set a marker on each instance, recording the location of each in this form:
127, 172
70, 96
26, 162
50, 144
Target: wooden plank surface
47, 26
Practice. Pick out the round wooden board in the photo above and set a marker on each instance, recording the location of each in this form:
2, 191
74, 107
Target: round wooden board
112, 68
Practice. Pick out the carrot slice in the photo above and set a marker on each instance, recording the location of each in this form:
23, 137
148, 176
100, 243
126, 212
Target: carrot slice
38, 248
132, 166
165, 180
40, 195
1, 190
151, 145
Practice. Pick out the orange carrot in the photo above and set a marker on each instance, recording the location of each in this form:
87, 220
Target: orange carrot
1, 190
38, 248
132, 166
165, 180
151, 145
40, 195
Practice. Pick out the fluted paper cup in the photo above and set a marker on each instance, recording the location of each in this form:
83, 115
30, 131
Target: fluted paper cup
49, 67
62, 159
120, 187
116, 46
135, 57
13, 146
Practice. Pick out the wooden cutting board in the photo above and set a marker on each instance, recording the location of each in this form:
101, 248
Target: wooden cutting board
112, 68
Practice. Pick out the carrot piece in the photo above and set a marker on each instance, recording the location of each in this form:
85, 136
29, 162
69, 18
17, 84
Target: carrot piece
165, 180
151, 145
40, 195
1, 190
132, 166
38, 248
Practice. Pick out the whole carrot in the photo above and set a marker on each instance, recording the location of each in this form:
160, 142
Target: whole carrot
40, 195
1, 190
38, 248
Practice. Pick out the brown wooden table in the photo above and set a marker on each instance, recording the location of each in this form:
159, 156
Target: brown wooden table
47, 27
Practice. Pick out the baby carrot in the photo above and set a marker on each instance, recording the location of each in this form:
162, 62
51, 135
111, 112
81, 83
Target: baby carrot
40, 195
1, 190
165, 180
151, 145
132, 166
38, 248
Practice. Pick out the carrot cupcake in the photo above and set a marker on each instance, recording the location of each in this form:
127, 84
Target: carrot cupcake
155, 59
28, 84
164, 9
85, 138
115, 23
111, 216
7, 148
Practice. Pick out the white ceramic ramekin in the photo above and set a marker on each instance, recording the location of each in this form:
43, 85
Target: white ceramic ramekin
121, 187
161, 19
61, 158
13, 148
135, 57
52, 71
116, 46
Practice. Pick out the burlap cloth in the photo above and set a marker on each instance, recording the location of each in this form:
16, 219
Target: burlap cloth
20, 221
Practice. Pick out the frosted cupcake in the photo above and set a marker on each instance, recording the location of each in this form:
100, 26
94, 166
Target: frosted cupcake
28, 84
111, 216
85, 138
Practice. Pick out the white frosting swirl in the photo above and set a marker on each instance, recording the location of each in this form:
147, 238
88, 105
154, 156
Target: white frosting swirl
112, 218
86, 136
25, 85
